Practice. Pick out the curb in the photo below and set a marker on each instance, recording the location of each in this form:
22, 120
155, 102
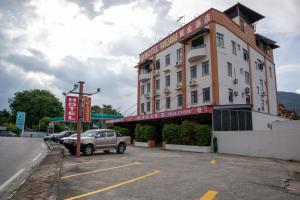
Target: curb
43, 182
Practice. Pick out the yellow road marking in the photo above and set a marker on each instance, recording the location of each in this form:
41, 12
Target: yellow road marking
100, 170
213, 162
209, 195
113, 186
79, 163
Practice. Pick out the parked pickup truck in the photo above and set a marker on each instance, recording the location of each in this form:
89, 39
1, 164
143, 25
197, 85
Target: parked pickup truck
98, 139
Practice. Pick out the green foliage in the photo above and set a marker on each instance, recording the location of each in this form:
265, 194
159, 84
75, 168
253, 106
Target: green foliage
122, 130
43, 124
105, 109
37, 104
215, 144
144, 133
5, 117
12, 127
59, 128
188, 133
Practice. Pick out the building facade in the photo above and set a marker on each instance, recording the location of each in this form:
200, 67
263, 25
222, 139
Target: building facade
216, 59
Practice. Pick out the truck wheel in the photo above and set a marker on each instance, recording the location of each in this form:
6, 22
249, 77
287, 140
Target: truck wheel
121, 148
88, 150
72, 151
106, 151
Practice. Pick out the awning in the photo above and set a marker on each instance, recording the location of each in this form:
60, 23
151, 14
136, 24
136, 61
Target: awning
199, 32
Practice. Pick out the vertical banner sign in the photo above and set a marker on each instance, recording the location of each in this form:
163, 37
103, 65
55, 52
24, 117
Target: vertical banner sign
20, 121
87, 109
71, 109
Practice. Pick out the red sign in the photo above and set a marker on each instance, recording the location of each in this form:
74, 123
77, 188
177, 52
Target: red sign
175, 113
87, 109
181, 33
71, 109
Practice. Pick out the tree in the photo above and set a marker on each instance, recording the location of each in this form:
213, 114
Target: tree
37, 104
43, 124
5, 117
105, 109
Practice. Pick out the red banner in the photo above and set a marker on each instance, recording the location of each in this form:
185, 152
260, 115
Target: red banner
175, 113
71, 109
87, 109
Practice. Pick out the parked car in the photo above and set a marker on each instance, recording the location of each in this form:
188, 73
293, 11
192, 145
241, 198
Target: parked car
57, 137
64, 139
7, 134
98, 139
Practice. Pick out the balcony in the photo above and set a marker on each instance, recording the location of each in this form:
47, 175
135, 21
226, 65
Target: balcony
145, 75
156, 72
193, 82
179, 86
197, 53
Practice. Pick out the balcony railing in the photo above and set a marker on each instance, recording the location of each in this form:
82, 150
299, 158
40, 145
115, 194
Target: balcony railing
197, 53
145, 75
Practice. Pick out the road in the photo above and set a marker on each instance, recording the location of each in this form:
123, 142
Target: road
18, 155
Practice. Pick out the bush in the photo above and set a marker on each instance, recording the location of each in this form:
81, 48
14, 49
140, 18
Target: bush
122, 130
203, 135
187, 133
144, 133
12, 127
170, 133
137, 132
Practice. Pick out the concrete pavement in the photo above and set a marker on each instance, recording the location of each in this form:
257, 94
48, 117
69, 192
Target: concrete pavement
17, 157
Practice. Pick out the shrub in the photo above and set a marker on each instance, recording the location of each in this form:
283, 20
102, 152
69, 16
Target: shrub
170, 133
203, 135
137, 132
187, 133
122, 130
12, 127
144, 133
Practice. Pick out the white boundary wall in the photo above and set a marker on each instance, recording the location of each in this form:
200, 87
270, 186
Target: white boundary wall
261, 121
282, 142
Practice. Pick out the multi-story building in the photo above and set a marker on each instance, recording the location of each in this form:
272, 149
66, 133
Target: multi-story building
217, 60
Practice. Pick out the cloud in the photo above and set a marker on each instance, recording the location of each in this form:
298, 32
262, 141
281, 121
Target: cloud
298, 91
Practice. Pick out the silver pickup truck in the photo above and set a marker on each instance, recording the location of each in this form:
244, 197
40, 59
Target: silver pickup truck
98, 139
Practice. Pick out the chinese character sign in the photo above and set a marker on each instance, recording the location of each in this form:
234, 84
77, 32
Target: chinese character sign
87, 109
71, 109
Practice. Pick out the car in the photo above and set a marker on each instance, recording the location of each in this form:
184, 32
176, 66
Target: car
98, 139
57, 137
65, 139
66, 135
7, 134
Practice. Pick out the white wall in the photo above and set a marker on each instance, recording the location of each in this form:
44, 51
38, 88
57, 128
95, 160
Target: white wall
282, 142
260, 120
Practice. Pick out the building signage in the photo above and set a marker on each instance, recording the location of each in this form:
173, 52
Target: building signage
71, 109
175, 113
20, 120
183, 32
87, 109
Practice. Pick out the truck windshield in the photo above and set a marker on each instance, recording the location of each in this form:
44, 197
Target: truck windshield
90, 133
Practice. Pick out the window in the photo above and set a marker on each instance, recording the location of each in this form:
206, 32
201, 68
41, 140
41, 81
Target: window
157, 104
168, 102
259, 65
157, 65
220, 40
110, 134
142, 107
230, 92
245, 54
194, 72
257, 87
157, 84
261, 85
148, 87
101, 135
262, 105
206, 94
198, 42
247, 77
248, 99
148, 106
179, 55
167, 58
233, 44
241, 70
270, 72
194, 97
179, 77
142, 89
229, 69
168, 81
205, 68
179, 100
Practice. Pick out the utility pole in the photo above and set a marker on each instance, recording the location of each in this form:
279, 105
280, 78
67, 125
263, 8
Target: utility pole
81, 94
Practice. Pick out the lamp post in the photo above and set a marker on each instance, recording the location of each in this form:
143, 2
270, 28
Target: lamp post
81, 94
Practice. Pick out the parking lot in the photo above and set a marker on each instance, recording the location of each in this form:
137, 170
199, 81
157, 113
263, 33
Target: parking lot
143, 173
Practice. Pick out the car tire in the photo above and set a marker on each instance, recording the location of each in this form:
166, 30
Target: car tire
121, 148
88, 150
106, 151
72, 151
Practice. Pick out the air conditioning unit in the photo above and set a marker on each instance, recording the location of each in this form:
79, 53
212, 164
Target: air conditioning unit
156, 93
236, 93
166, 90
156, 72
192, 82
147, 96
261, 66
179, 86
178, 63
235, 81
247, 90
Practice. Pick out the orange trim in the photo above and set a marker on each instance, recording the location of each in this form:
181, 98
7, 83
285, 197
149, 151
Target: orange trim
153, 84
183, 76
248, 35
267, 85
250, 75
138, 93
214, 64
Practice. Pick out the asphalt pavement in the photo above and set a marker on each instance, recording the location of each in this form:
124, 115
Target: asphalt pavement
17, 157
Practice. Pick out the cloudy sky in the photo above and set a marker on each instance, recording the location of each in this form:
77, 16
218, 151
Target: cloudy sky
53, 44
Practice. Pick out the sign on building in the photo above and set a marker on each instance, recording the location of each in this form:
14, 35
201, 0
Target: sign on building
20, 120
71, 109
87, 109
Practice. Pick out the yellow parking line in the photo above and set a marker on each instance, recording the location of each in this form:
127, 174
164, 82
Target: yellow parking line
100, 170
113, 186
79, 163
209, 195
